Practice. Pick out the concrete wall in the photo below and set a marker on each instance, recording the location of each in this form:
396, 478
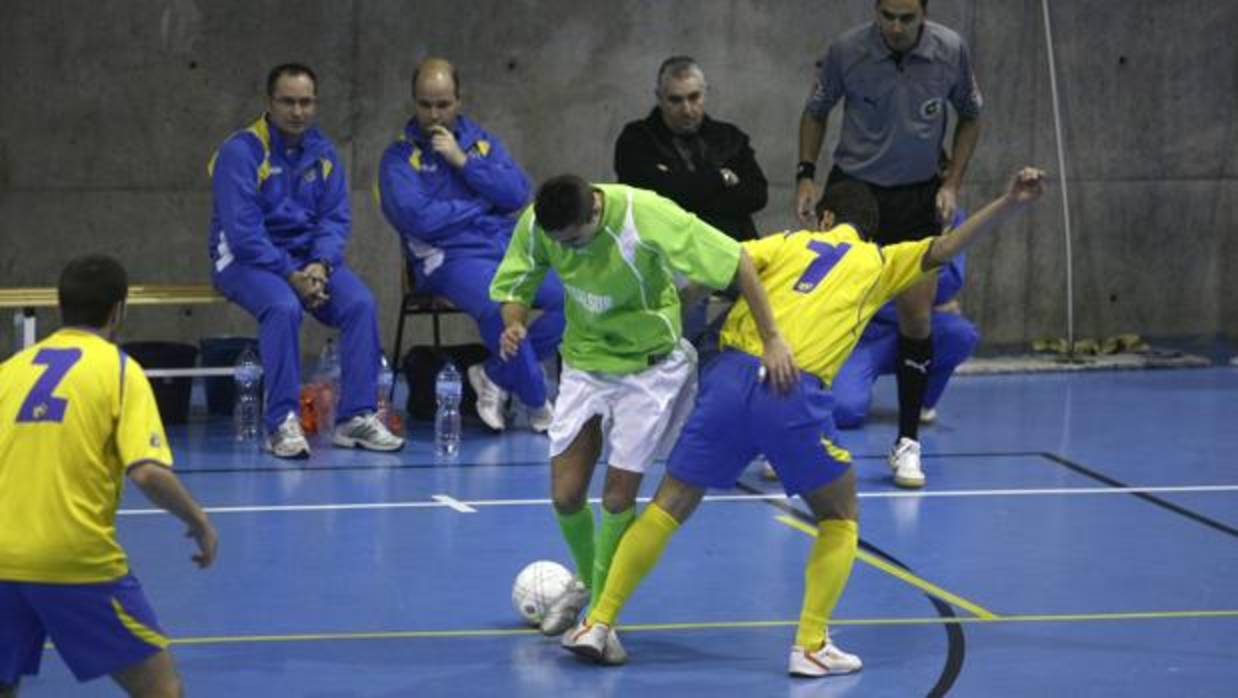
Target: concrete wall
109, 111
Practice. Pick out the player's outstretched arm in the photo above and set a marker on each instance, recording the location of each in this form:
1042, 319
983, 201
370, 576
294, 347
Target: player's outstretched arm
1025, 187
164, 489
777, 358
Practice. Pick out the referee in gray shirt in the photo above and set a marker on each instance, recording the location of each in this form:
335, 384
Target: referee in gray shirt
895, 76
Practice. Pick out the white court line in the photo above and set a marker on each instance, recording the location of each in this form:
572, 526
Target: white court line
454, 504
467, 506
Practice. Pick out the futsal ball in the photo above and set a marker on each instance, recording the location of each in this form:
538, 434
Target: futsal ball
536, 587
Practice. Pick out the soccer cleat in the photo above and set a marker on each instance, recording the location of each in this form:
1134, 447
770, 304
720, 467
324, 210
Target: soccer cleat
490, 398
540, 418
905, 461
596, 642
827, 661
366, 431
288, 441
928, 415
563, 611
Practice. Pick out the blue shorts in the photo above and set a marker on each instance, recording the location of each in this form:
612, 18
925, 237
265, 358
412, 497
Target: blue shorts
98, 629
737, 416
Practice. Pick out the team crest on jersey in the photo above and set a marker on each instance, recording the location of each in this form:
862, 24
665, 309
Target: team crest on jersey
310, 176
592, 302
155, 441
931, 108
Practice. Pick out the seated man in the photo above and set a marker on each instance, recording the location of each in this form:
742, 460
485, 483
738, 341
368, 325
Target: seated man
954, 339
824, 287
452, 192
704, 165
279, 224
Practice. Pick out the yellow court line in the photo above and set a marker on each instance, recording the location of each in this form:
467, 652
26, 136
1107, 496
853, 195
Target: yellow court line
717, 625
900, 573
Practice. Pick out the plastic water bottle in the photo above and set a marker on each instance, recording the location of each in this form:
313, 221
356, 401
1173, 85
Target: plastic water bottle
447, 391
327, 388
247, 375
386, 378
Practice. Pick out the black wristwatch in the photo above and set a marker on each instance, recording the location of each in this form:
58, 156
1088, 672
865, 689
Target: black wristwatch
805, 170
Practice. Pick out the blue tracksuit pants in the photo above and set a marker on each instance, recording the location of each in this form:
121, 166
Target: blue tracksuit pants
465, 281
274, 303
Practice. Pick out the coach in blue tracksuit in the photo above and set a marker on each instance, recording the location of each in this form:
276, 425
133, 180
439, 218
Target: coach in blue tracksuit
954, 339
280, 221
452, 192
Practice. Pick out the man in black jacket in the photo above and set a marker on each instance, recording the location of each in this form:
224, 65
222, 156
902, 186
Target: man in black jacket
705, 166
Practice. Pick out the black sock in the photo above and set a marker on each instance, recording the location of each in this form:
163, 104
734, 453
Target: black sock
914, 358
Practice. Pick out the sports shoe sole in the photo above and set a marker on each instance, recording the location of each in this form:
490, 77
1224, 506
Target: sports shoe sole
349, 442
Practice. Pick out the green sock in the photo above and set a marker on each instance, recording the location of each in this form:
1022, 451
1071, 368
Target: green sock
612, 529
577, 530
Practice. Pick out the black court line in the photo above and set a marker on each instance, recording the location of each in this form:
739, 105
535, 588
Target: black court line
1147, 497
956, 642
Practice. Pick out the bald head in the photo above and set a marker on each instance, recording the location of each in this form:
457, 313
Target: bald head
436, 94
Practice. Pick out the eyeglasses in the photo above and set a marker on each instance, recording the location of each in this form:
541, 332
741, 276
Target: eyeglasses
290, 102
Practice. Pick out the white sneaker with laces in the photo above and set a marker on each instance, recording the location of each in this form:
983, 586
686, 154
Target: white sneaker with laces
541, 417
366, 431
288, 441
596, 642
827, 661
490, 398
563, 611
905, 461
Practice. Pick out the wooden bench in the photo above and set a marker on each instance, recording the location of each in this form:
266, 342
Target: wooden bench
25, 300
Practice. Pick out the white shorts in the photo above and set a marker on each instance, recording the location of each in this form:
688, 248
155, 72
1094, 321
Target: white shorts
642, 413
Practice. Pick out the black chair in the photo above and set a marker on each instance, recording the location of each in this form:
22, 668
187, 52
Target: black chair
414, 302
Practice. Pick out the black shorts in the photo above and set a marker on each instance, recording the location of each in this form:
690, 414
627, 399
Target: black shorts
905, 212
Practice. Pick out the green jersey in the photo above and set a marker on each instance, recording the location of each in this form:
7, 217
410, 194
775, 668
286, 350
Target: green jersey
621, 289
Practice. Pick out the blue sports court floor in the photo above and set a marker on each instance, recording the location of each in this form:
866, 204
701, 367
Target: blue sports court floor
1078, 536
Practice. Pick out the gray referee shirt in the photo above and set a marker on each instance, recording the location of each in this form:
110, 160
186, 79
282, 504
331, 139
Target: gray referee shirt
894, 118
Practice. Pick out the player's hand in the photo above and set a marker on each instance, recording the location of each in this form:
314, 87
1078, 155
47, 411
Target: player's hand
1027, 185
208, 544
779, 364
311, 289
443, 141
509, 341
805, 193
947, 203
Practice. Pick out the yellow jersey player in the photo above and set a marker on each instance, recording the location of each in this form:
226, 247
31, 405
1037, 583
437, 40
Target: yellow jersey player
824, 287
77, 416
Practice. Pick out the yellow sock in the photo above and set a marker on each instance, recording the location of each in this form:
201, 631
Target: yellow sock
825, 576
638, 552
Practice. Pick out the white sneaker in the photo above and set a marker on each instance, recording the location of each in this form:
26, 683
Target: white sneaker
928, 415
366, 431
563, 611
905, 461
826, 661
490, 398
288, 441
767, 471
540, 418
596, 642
